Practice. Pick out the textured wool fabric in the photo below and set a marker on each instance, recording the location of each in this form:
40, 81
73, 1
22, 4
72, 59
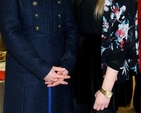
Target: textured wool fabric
38, 35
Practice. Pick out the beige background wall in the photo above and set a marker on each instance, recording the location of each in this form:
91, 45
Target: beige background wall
2, 46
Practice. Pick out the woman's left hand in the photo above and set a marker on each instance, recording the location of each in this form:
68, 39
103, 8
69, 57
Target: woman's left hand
60, 80
101, 101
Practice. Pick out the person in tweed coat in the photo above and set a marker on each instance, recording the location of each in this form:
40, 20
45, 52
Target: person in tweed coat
41, 41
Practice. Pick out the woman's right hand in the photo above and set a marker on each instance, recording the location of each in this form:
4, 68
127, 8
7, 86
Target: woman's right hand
56, 76
101, 101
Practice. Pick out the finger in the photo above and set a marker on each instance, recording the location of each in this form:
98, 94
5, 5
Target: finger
64, 83
50, 79
106, 106
102, 108
55, 83
48, 82
51, 85
59, 72
63, 76
58, 68
65, 72
55, 80
59, 81
98, 108
94, 106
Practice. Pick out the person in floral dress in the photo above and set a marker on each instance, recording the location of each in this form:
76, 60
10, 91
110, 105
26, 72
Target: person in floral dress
108, 51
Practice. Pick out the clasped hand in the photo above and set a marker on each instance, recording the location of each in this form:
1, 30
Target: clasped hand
56, 76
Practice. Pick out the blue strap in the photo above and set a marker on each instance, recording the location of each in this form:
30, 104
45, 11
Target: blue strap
49, 100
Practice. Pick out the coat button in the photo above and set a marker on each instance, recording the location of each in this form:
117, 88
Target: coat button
34, 3
37, 28
36, 15
59, 26
59, 15
59, 1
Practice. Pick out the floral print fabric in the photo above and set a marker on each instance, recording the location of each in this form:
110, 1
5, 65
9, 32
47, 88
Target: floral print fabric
119, 35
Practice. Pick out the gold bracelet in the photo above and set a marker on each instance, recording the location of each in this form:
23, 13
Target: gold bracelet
108, 94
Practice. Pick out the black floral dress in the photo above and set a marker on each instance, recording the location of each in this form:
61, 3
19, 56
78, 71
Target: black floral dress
112, 41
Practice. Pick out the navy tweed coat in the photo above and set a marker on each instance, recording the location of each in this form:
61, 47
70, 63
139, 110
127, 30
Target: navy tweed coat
38, 34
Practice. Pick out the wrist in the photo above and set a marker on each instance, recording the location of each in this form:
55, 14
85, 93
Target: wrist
106, 93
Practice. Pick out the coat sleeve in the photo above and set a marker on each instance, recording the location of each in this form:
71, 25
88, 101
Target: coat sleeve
16, 43
122, 41
71, 38
119, 48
